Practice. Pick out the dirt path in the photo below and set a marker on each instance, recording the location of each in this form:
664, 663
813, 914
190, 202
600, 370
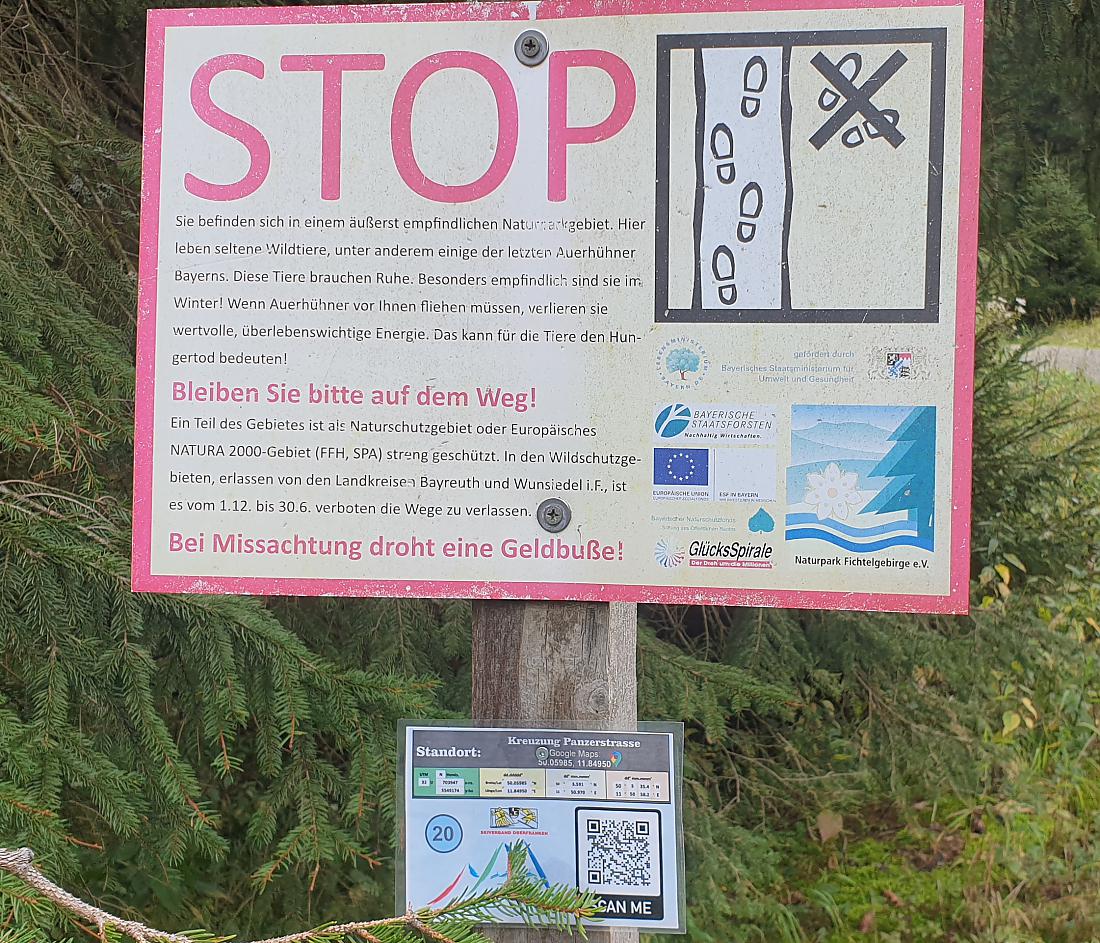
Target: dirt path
1082, 360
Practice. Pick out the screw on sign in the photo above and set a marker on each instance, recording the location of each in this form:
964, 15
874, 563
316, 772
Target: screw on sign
553, 515
531, 47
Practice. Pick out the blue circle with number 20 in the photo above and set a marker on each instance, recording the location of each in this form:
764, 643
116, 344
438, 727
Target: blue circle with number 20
443, 833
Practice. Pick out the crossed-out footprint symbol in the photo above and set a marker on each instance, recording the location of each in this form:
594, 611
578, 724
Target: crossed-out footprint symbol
855, 135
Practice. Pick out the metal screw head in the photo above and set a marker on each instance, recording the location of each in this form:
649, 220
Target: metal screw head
531, 47
553, 515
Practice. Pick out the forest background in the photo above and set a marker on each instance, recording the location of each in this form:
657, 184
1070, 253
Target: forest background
229, 762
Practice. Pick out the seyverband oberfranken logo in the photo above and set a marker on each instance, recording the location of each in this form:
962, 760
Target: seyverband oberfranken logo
668, 554
682, 363
513, 817
672, 421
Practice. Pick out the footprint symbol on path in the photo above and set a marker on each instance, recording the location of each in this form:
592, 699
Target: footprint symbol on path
755, 79
721, 149
723, 267
752, 204
890, 114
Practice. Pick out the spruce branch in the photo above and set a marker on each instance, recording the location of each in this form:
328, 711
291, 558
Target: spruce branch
558, 907
20, 862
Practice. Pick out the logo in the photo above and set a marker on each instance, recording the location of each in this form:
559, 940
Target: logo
888, 363
862, 477
682, 363
730, 554
672, 420
899, 364
667, 554
716, 423
616, 757
513, 817
681, 467
761, 523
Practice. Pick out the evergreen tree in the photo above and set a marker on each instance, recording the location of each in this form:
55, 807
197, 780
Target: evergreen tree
1042, 105
1065, 269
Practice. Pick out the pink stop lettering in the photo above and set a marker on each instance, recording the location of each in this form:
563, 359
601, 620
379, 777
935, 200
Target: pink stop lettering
561, 135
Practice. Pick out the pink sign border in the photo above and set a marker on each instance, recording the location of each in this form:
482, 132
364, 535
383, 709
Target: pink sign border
144, 580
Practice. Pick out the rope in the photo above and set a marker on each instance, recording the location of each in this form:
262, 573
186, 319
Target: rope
20, 862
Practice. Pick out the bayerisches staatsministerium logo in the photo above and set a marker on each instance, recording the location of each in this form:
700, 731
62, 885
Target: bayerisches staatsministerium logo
682, 363
668, 554
672, 421
898, 363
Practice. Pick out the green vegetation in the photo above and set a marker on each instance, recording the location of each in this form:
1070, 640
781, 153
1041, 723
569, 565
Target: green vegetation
1041, 162
1074, 334
228, 762
1062, 276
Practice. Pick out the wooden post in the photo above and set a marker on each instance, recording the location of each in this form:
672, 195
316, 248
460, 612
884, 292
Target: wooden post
560, 662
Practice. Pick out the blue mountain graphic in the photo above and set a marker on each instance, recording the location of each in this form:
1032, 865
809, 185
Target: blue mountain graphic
858, 436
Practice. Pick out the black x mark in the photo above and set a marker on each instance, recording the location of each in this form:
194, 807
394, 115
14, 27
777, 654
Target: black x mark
857, 99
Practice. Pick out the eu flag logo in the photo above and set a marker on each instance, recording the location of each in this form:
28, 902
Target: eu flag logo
681, 467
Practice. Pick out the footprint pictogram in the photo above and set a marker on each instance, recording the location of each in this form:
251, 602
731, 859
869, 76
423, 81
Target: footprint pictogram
722, 150
850, 67
891, 116
752, 205
723, 267
754, 82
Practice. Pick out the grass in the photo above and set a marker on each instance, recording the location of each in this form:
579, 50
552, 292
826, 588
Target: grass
1016, 863
1075, 334
1016, 859
993, 875
1085, 394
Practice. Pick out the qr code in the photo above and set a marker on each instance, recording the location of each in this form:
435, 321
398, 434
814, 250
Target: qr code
619, 851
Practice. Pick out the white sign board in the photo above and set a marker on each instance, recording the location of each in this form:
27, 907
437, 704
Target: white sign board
593, 809
703, 275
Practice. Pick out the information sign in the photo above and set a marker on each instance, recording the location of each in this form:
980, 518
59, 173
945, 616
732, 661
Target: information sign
593, 809
700, 274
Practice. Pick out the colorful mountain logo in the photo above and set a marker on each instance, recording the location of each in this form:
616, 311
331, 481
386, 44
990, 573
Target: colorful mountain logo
862, 478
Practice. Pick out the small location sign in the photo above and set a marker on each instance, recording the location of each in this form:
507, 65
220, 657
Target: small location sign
566, 300
591, 809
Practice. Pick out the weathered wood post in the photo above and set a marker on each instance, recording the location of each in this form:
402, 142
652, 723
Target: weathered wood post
560, 662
